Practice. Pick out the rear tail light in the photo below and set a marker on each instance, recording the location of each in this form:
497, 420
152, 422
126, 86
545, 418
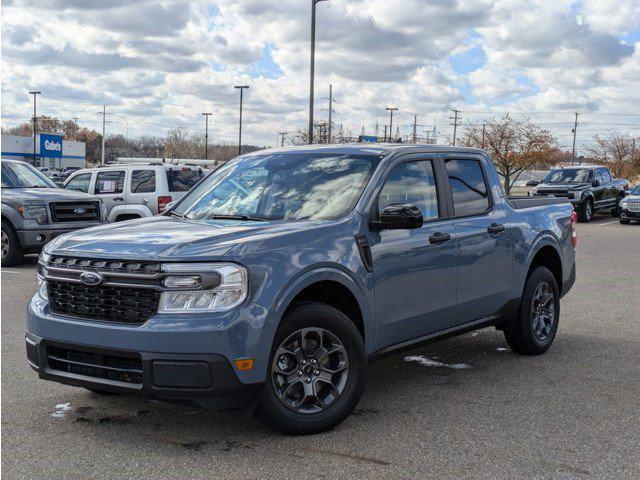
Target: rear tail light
574, 234
162, 203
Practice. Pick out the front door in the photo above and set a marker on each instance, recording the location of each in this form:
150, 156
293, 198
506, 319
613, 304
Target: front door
414, 269
483, 246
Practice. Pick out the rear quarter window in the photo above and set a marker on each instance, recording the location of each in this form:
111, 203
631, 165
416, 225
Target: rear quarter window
183, 180
143, 181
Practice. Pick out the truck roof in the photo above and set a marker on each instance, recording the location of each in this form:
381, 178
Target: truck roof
367, 149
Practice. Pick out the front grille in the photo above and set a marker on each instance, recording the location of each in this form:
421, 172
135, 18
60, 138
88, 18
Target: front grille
634, 207
122, 266
119, 367
110, 304
555, 193
75, 211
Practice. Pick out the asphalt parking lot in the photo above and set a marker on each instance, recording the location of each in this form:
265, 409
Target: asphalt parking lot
462, 408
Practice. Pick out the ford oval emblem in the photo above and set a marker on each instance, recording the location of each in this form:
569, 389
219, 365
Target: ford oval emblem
91, 278
79, 211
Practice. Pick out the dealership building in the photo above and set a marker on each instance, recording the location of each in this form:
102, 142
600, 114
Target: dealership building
51, 151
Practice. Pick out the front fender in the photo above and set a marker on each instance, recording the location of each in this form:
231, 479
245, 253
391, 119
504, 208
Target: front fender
319, 274
12, 216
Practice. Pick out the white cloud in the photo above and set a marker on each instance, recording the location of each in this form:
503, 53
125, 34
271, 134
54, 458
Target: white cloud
160, 63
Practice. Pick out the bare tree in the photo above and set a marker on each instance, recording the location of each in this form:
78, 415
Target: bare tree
620, 152
515, 146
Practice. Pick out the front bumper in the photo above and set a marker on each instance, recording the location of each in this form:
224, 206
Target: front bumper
629, 215
203, 380
36, 238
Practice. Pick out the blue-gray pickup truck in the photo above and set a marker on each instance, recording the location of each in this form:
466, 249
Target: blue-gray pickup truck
273, 282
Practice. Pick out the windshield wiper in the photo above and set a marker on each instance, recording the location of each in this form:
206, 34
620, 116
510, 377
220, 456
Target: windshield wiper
176, 214
238, 217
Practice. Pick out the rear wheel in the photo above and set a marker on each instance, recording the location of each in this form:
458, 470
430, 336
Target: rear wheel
535, 328
625, 221
11, 248
316, 371
585, 211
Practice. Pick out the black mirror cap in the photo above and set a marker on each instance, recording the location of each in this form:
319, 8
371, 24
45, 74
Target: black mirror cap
532, 183
399, 216
596, 182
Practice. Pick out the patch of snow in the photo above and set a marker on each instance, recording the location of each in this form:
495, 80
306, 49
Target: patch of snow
428, 362
61, 410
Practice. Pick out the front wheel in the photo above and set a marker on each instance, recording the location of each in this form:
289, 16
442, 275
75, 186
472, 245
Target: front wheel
11, 248
534, 330
316, 371
625, 221
585, 211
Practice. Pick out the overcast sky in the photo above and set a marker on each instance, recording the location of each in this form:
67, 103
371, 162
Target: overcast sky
159, 64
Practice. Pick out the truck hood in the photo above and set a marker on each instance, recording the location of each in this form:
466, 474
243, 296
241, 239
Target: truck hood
562, 187
43, 195
167, 238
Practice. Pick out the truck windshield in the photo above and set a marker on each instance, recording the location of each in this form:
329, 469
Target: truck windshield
23, 175
569, 175
636, 191
281, 186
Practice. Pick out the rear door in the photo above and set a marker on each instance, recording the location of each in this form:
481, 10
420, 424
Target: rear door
483, 249
141, 188
109, 186
414, 269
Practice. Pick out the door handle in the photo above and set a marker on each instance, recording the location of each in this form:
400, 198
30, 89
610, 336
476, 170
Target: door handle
495, 228
439, 237
118, 199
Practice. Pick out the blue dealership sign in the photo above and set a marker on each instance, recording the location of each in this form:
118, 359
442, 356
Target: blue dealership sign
50, 145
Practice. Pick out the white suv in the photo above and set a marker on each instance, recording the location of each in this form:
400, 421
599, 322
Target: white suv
138, 190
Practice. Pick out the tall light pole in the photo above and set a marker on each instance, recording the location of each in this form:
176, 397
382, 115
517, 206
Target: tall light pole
35, 93
313, 66
241, 88
391, 110
206, 135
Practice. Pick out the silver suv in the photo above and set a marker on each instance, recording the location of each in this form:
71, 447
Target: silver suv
136, 190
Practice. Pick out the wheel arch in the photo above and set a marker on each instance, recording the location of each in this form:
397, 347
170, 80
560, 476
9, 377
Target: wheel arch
546, 254
333, 287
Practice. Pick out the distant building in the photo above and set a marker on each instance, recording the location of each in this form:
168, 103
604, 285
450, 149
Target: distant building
51, 151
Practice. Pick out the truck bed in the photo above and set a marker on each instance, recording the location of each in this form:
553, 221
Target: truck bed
522, 202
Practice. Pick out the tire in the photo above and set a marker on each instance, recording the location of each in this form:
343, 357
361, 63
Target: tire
530, 334
585, 211
287, 406
102, 393
11, 248
615, 211
625, 221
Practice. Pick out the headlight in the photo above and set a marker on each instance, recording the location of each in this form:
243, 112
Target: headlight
199, 288
33, 212
42, 288
576, 195
624, 204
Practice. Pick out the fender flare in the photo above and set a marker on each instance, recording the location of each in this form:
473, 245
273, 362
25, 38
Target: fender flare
319, 274
141, 210
544, 239
11, 216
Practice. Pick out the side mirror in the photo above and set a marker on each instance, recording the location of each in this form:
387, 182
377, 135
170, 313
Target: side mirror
596, 182
399, 216
532, 183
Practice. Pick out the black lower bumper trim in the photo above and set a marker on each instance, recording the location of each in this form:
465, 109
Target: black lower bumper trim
202, 380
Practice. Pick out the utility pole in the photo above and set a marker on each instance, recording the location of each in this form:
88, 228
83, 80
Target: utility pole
455, 124
574, 131
330, 111
206, 134
484, 127
35, 93
281, 135
415, 126
385, 133
391, 110
104, 114
241, 88
312, 66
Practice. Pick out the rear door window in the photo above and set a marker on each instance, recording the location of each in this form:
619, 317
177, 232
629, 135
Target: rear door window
143, 181
181, 180
468, 187
110, 182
